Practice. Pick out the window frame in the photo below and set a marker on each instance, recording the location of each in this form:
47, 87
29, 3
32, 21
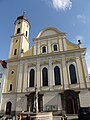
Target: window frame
18, 30
53, 47
74, 70
68, 64
10, 90
44, 82
59, 65
55, 79
29, 76
42, 49
15, 51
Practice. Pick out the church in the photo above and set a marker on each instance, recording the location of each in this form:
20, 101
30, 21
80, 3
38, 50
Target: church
53, 66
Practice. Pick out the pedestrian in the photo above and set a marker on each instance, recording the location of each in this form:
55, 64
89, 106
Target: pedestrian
19, 116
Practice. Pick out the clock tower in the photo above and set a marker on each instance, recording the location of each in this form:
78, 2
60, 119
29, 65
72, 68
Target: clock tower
19, 41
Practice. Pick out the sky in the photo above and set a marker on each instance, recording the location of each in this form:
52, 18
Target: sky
69, 16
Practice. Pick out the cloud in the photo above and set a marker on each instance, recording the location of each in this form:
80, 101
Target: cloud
60, 4
82, 18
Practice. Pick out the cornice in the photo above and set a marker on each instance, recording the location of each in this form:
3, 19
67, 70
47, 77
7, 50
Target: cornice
19, 35
53, 54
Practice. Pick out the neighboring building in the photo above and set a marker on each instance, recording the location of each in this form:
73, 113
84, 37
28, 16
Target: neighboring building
53, 63
3, 66
89, 77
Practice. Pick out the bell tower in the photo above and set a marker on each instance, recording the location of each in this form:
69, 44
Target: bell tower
20, 39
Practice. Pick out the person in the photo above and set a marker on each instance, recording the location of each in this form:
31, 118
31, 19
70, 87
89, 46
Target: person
27, 117
19, 117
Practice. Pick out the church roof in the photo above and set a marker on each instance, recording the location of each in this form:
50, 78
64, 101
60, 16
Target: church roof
23, 17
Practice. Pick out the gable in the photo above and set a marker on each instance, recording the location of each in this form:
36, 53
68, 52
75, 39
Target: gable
48, 32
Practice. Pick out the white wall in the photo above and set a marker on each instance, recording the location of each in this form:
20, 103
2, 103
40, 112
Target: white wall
52, 98
84, 98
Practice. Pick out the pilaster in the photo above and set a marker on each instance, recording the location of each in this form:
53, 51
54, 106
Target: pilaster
49, 47
25, 81
38, 47
60, 44
65, 77
85, 70
81, 79
34, 48
50, 73
38, 73
64, 43
19, 78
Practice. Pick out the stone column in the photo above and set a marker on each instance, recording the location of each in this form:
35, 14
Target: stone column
79, 68
65, 78
50, 80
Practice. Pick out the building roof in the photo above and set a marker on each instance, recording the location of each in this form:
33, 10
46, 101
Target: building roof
3, 63
22, 18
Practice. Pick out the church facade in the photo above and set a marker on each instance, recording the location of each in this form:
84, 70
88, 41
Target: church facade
53, 65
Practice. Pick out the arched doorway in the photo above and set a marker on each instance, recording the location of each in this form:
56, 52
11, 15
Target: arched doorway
8, 108
70, 100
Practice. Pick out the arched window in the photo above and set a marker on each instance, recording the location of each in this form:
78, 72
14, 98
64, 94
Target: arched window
55, 47
18, 30
72, 74
32, 77
57, 75
15, 51
8, 108
43, 49
45, 76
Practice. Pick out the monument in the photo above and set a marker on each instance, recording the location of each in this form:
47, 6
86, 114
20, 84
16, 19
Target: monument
39, 115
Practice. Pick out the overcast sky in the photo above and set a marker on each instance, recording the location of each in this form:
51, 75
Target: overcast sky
70, 16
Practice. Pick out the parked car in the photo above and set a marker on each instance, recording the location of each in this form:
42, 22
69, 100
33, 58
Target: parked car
84, 113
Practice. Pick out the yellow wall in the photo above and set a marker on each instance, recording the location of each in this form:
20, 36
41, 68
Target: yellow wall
11, 78
16, 45
71, 46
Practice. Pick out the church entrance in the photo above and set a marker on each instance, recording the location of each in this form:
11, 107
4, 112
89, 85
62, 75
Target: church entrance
8, 108
70, 102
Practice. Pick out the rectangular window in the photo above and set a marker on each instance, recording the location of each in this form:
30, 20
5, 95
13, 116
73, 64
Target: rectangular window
10, 87
1, 75
15, 51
